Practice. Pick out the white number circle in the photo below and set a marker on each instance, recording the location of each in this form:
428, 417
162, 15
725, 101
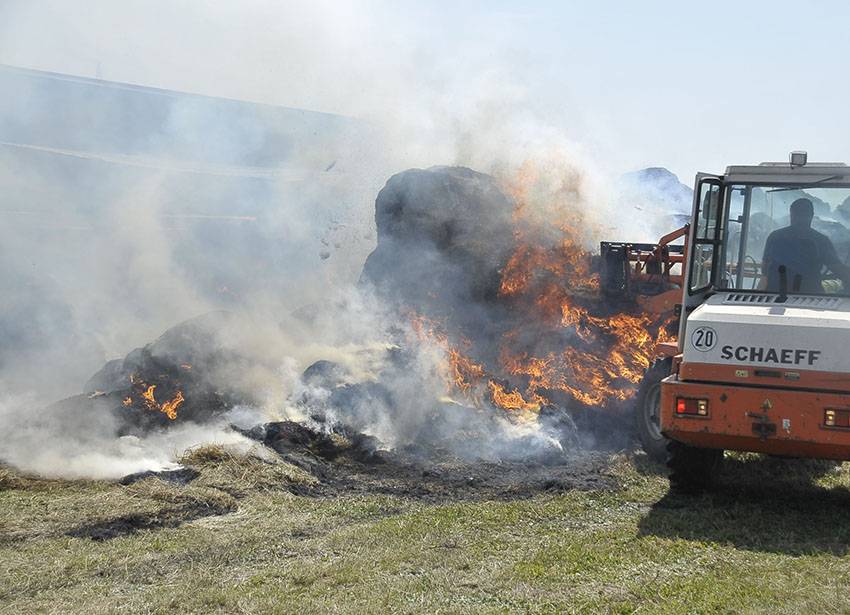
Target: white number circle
704, 338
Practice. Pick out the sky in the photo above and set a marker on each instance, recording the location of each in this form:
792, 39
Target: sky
626, 85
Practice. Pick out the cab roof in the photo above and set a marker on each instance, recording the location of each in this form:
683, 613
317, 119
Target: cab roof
781, 172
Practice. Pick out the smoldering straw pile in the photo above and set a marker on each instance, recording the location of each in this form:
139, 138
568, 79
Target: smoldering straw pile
476, 329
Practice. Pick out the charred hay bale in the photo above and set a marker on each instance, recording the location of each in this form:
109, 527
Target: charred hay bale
444, 236
328, 398
192, 346
325, 374
187, 372
308, 447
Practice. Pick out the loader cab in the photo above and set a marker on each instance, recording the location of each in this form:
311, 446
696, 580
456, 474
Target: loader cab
734, 219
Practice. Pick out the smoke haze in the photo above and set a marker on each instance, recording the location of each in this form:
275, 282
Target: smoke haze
128, 210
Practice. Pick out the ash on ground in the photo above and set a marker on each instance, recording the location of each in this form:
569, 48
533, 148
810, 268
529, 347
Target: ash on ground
356, 464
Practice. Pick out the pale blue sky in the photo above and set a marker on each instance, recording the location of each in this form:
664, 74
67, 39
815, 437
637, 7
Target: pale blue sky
689, 86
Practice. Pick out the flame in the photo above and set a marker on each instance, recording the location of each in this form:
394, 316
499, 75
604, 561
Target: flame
464, 373
461, 374
607, 355
519, 184
148, 398
600, 354
170, 407
145, 394
567, 345
513, 400
427, 330
567, 263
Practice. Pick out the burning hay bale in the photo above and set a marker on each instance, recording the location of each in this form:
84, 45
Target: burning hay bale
489, 341
514, 307
186, 372
443, 231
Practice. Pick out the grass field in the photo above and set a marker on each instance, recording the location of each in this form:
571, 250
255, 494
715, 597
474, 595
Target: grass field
773, 539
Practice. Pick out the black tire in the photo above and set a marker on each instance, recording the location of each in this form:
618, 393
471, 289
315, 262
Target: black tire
692, 470
648, 409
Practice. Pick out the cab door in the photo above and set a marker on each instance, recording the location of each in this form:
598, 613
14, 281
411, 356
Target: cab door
704, 254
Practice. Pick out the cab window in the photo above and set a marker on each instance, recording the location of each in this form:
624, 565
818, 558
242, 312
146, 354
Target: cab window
705, 235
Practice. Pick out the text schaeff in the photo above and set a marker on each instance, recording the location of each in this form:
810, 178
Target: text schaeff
782, 356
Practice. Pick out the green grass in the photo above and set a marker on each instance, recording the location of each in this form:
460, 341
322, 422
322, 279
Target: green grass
773, 539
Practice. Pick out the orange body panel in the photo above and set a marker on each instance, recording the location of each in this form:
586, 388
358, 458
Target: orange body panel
770, 377
773, 420
660, 304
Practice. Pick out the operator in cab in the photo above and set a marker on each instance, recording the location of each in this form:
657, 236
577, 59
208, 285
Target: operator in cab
804, 252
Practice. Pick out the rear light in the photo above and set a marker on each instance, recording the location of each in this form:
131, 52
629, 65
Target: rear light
836, 418
693, 407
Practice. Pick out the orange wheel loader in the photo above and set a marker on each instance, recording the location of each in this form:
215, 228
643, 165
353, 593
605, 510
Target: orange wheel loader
762, 362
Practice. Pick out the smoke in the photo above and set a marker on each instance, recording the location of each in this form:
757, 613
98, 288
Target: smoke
401, 392
128, 210
656, 201
76, 438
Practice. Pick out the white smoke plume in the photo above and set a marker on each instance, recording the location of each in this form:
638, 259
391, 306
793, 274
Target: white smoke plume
126, 212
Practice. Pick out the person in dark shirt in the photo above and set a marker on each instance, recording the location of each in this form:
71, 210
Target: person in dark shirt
803, 251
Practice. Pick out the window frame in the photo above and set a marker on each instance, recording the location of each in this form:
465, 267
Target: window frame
715, 242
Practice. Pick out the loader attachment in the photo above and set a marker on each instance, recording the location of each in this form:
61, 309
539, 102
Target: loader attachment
648, 274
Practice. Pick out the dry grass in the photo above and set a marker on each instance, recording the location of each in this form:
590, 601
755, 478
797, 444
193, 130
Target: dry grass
744, 549
10, 478
239, 474
37, 508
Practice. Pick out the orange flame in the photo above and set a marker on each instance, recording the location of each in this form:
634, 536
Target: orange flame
603, 355
567, 345
592, 354
148, 397
146, 394
464, 373
170, 407
513, 400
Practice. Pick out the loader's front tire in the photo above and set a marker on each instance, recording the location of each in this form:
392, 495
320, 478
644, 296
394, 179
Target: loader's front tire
692, 470
648, 409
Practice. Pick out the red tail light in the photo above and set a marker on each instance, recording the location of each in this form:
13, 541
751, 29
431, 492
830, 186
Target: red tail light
693, 407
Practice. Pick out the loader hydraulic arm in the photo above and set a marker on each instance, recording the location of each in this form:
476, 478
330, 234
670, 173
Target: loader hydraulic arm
652, 275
